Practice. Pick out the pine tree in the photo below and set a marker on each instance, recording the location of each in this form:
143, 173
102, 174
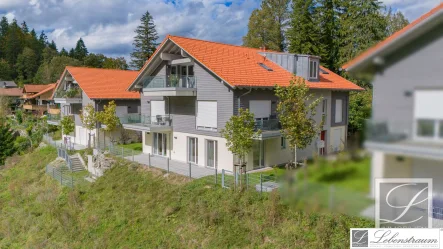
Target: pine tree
80, 51
13, 44
145, 41
72, 53
43, 39
4, 26
328, 23
53, 46
266, 26
5, 70
7, 139
25, 27
63, 52
303, 33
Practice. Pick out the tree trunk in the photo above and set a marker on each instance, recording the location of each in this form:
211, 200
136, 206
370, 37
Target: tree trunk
295, 156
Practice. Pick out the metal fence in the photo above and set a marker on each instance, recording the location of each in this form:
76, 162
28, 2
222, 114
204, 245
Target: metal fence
64, 176
58, 144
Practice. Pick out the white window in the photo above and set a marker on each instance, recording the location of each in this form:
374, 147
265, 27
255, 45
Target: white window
211, 153
160, 144
427, 114
313, 69
338, 110
207, 115
324, 106
260, 108
193, 150
283, 143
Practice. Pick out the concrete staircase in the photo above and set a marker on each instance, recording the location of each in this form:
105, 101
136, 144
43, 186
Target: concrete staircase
76, 163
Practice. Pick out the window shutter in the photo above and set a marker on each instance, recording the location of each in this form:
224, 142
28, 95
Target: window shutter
427, 104
157, 108
260, 108
207, 114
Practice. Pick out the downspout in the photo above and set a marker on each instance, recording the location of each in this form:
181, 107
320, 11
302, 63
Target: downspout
238, 108
97, 126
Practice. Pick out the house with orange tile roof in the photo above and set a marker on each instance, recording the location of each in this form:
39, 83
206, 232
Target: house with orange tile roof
37, 98
405, 133
190, 88
80, 86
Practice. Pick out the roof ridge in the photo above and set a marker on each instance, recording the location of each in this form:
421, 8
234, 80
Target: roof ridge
221, 43
108, 69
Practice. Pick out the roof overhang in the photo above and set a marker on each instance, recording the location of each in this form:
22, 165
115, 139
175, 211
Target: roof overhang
376, 55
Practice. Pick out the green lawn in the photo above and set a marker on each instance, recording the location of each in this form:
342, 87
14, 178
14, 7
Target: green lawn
134, 146
131, 207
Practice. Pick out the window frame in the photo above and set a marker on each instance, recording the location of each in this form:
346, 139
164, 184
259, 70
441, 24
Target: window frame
195, 150
206, 128
283, 143
342, 111
215, 144
437, 130
313, 64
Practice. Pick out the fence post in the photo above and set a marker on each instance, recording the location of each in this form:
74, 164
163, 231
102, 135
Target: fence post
132, 151
236, 178
261, 183
215, 176
190, 171
123, 152
247, 181
223, 178
167, 164
331, 197
61, 177
53, 175
149, 159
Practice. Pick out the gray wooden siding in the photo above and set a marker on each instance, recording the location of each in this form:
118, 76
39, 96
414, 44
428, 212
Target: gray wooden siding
344, 96
145, 102
209, 87
417, 65
132, 104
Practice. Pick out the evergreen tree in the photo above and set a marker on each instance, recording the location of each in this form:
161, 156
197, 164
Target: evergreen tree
5, 70
53, 46
94, 60
115, 63
145, 41
25, 27
72, 53
303, 33
4, 26
43, 39
48, 54
63, 52
7, 139
266, 25
80, 51
13, 44
328, 23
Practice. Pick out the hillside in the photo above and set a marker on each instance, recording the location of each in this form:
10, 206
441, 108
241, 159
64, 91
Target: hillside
132, 207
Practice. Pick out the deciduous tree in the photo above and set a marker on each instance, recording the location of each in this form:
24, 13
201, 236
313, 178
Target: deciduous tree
88, 117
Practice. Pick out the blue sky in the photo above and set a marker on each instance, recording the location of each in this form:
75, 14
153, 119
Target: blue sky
107, 26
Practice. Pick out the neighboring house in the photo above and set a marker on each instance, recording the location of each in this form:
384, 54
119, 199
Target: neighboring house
37, 98
405, 134
190, 88
14, 94
80, 86
7, 84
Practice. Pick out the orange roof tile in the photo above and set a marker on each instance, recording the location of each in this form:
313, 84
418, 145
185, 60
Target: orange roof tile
49, 87
100, 83
368, 52
30, 88
238, 66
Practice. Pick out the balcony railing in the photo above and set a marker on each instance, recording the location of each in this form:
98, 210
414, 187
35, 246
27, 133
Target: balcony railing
55, 110
53, 117
34, 107
170, 81
73, 92
379, 132
268, 125
145, 120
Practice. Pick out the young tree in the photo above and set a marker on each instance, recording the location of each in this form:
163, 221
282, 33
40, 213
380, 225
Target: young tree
7, 139
360, 108
80, 51
108, 117
303, 33
145, 41
115, 63
395, 21
89, 119
266, 26
296, 111
239, 133
67, 124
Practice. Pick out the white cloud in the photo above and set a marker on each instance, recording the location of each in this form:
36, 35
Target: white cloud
412, 9
10, 16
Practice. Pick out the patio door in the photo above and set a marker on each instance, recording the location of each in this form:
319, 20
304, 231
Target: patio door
160, 144
193, 150
258, 154
211, 153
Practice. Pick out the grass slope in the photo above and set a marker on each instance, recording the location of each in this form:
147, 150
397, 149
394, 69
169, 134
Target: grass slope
132, 207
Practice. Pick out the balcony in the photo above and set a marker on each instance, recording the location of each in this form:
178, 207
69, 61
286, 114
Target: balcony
38, 108
139, 122
54, 110
72, 95
53, 119
170, 85
380, 137
270, 128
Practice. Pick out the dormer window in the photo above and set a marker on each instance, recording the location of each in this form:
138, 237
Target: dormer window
313, 69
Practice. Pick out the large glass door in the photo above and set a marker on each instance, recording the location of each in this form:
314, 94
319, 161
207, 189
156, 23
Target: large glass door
193, 150
160, 144
258, 154
211, 153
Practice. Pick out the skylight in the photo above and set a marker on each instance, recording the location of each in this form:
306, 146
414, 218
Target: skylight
323, 71
265, 67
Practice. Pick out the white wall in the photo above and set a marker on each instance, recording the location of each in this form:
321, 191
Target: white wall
377, 169
275, 155
82, 135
